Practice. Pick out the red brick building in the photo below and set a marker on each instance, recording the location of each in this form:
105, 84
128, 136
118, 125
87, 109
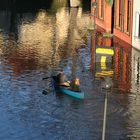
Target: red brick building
116, 19
103, 14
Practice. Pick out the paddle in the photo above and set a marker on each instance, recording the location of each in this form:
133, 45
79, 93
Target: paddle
46, 78
45, 92
65, 84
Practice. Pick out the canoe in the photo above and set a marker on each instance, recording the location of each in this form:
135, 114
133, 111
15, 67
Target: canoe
68, 91
79, 95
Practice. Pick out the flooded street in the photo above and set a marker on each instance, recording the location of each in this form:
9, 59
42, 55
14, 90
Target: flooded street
48, 38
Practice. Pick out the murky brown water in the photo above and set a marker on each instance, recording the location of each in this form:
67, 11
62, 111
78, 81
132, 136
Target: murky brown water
38, 42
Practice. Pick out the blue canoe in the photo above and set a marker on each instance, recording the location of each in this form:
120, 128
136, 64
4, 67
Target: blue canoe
79, 95
68, 91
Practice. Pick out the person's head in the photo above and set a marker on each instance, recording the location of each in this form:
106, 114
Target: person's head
60, 74
61, 77
77, 81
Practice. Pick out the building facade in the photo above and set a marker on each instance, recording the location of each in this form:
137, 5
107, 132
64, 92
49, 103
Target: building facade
123, 10
103, 14
116, 19
136, 25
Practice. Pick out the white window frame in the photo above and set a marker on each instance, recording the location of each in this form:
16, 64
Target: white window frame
137, 25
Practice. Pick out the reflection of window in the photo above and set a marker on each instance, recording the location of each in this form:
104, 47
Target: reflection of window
137, 71
137, 29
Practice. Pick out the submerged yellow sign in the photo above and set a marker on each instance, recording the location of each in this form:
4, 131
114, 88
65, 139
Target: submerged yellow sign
105, 51
104, 59
103, 62
104, 73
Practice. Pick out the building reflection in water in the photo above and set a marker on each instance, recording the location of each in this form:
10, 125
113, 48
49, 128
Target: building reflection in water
124, 70
103, 59
135, 71
122, 65
1, 44
112, 59
39, 35
134, 106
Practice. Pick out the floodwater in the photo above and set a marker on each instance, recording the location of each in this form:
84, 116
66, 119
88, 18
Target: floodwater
38, 39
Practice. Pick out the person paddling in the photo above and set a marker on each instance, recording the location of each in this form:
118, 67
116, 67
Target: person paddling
75, 84
61, 80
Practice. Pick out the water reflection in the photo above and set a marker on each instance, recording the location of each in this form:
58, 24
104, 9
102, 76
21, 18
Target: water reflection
134, 98
123, 69
33, 44
136, 70
102, 56
113, 59
39, 47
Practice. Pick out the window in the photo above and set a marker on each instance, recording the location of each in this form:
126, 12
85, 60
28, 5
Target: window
128, 16
137, 29
121, 14
100, 9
